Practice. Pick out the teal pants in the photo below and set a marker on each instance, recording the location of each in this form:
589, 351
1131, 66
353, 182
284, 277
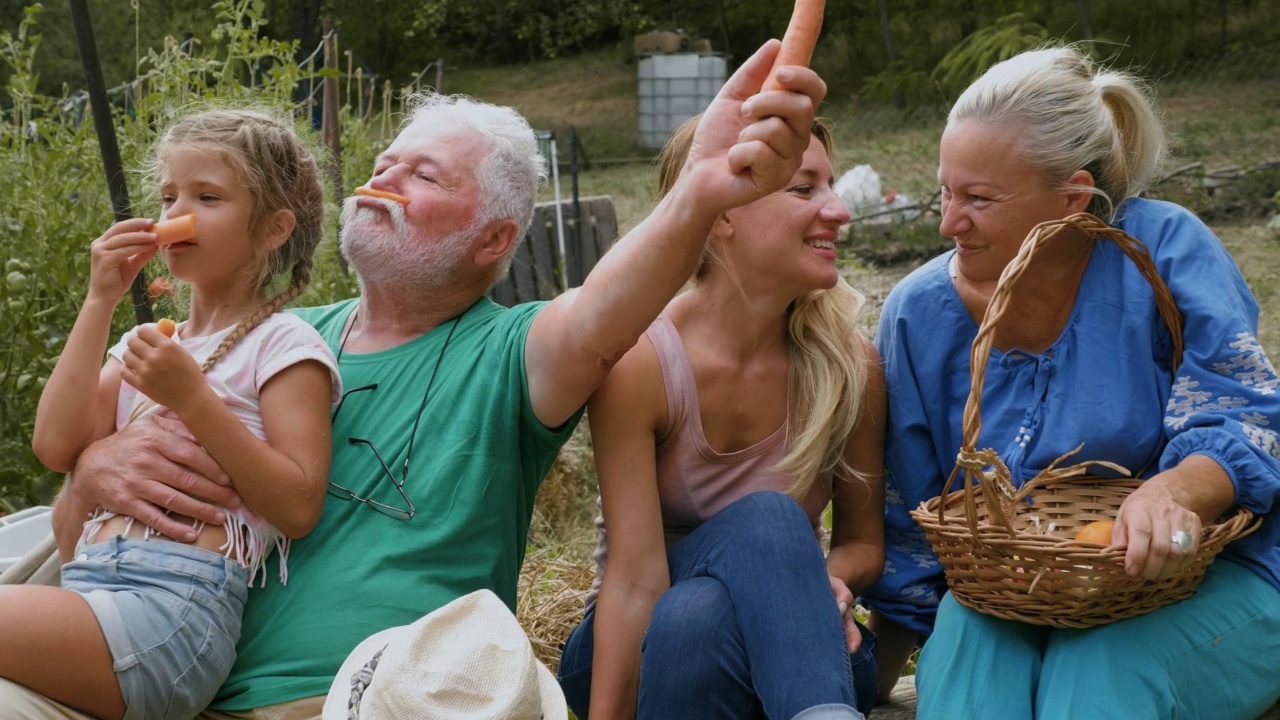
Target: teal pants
1214, 656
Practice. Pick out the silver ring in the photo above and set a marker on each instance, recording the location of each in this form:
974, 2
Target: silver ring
1181, 541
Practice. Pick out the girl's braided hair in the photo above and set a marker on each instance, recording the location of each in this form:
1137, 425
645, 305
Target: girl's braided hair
280, 172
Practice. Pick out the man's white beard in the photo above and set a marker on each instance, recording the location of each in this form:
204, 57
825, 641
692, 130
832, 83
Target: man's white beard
404, 257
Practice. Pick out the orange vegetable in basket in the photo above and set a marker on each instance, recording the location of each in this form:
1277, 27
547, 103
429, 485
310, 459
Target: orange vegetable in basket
166, 327
1098, 531
370, 192
801, 37
175, 230
159, 287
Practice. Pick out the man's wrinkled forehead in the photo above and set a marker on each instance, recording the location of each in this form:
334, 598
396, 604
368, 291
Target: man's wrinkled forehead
437, 141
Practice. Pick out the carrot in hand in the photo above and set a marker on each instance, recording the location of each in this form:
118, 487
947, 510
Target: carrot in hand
175, 230
159, 287
166, 327
370, 192
801, 38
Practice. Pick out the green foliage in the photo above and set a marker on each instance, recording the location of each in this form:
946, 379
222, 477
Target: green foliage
46, 210
901, 87
54, 201
1001, 40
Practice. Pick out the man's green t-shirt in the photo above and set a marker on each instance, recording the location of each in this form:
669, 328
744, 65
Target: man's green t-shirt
478, 457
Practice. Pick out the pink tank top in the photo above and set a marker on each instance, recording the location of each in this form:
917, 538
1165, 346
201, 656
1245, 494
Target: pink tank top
694, 481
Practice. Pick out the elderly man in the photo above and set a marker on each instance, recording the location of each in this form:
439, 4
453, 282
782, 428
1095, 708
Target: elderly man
454, 407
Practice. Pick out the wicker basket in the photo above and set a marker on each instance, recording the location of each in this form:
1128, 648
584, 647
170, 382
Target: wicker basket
995, 544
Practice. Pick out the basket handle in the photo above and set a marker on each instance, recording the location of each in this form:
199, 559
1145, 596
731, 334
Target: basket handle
1079, 224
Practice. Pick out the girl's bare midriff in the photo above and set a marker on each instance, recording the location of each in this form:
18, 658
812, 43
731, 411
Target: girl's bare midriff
212, 537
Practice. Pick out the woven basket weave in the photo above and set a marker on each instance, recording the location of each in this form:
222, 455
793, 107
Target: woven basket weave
1010, 553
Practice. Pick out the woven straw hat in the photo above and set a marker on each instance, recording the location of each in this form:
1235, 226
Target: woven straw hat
465, 661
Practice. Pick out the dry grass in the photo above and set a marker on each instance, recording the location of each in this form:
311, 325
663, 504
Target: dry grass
558, 569
566, 507
1223, 124
549, 604
595, 93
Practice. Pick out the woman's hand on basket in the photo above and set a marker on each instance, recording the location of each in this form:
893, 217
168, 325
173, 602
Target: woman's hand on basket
844, 602
1151, 522
1154, 517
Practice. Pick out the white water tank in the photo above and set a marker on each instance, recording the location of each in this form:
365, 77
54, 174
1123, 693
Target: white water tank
673, 88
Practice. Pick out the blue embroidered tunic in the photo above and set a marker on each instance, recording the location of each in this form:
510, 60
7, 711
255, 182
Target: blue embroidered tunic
1105, 382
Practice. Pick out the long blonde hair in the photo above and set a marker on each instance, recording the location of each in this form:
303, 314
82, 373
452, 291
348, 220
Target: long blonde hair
281, 174
826, 349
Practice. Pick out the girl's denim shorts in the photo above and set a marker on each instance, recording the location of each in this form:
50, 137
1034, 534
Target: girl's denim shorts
171, 616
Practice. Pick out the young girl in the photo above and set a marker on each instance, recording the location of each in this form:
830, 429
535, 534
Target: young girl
750, 403
145, 627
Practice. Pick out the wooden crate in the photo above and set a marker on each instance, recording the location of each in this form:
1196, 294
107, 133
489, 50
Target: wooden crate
536, 268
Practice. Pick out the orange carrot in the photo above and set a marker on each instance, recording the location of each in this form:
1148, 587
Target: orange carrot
159, 287
166, 327
175, 229
370, 192
801, 37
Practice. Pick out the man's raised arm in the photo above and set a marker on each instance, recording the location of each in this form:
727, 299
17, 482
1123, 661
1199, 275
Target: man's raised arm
747, 145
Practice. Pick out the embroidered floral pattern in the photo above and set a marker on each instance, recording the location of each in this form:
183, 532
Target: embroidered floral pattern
1186, 401
892, 495
1251, 367
1253, 425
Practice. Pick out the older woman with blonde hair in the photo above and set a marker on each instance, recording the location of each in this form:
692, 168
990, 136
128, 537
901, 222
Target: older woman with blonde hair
752, 402
1087, 359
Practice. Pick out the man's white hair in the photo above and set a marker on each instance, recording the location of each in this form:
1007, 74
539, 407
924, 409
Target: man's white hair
512, 171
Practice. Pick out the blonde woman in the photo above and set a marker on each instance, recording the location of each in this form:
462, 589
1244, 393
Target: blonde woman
1088, 360
720, 437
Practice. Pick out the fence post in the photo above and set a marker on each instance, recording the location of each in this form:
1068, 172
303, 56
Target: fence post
106, 129
329, 125
573, 173
440, 76
350, 65
386, 107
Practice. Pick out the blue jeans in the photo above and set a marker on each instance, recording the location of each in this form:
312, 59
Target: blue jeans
749, 628
1210, 657
171, 616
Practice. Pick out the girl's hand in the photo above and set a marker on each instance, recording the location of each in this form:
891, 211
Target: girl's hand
117, 256
161, 369
844, 602
1147, 521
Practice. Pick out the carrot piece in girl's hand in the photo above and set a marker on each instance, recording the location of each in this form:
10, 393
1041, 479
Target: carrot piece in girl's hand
175, 230
159, 287
370, 192
801, 38
166, 327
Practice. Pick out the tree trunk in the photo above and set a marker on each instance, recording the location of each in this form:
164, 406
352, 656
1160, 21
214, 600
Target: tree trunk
724, 28
857, 63
1082, 17
1225, 7
890, 53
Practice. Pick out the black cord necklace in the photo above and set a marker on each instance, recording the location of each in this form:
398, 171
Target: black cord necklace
423, 405
342, 344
